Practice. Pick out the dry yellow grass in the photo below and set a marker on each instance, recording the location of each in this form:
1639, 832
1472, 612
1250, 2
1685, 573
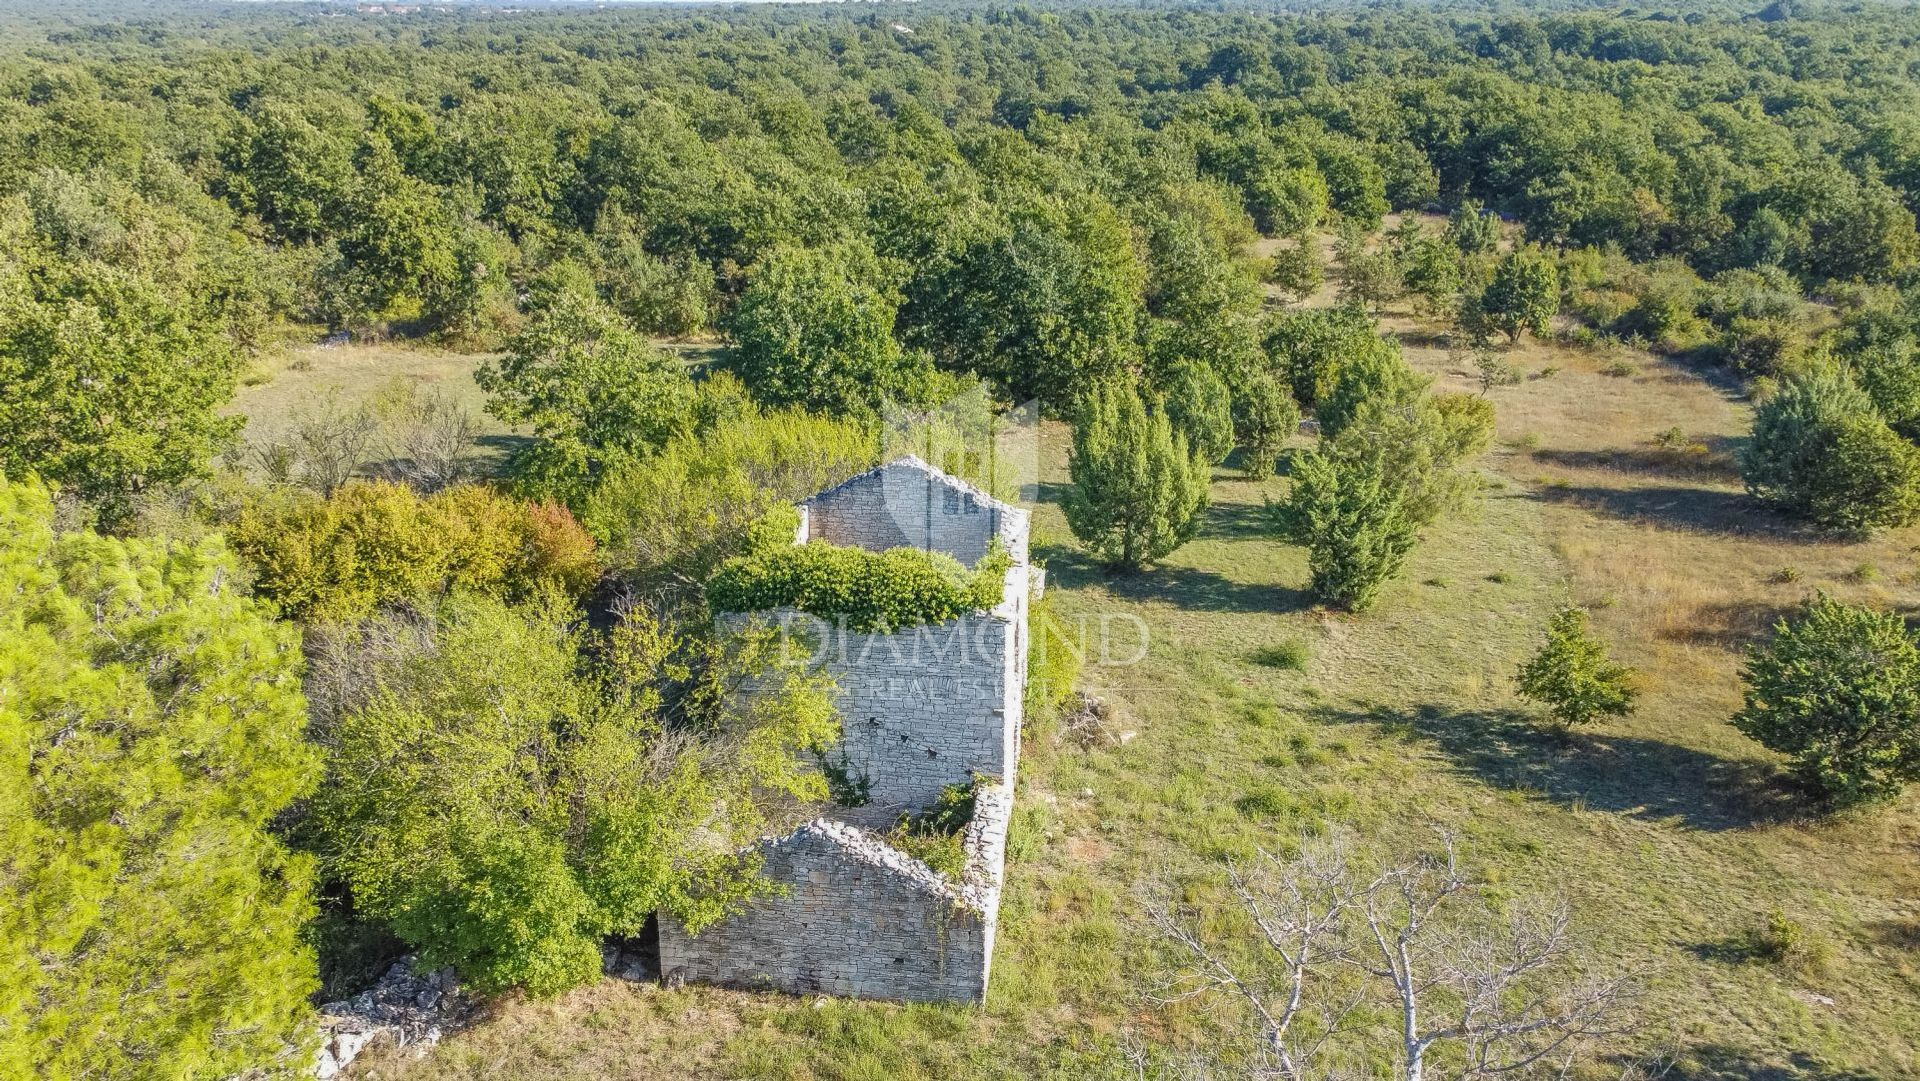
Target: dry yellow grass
284, 383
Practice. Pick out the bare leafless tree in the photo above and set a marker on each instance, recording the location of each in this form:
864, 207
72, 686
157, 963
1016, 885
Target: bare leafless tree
328, 442
1504, 998
430, 438
1301, 909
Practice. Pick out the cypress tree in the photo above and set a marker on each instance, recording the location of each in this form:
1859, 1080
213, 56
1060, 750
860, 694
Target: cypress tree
1265, 418
1350, 513
1138, 491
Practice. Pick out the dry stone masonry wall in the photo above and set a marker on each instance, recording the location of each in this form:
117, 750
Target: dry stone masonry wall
921, 710
859, 917
907, 503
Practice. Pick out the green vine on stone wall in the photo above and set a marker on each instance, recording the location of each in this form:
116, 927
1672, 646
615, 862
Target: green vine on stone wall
869, 591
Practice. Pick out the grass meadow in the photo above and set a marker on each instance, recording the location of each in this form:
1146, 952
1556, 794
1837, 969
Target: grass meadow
1253, 718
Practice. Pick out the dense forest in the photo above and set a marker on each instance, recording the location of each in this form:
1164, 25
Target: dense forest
213, 651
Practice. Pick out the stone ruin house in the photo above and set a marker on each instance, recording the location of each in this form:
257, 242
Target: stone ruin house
921, 709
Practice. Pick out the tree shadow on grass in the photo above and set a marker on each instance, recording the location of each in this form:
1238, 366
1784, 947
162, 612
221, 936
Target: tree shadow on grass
1182, 587
1900, 934
1207, 591
1717, 1063
1627, 775
1731, 625
1238, 521
1695, 510
1657, 461
505, 446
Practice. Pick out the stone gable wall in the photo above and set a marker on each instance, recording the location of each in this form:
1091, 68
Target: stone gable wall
859, 917
903, 505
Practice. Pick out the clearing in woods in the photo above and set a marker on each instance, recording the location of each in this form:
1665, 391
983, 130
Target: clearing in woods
1672, 834
289, 386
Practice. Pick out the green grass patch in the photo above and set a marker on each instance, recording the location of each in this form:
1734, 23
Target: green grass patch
1291, 654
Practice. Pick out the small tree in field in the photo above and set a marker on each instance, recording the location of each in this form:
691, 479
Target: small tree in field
1523, 295
1838, 691
1367, 278
1265, 417
1494, 369
1473, 229
1297, 269
1350, 513
1821, 452
1572, 675
1137, 490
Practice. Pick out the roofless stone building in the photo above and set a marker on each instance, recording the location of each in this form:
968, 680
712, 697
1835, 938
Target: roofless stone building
921, 709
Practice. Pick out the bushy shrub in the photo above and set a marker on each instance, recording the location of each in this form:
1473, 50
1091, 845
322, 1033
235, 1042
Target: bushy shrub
936, 837
1360, 498
1837, 690
1764, 346
503, 792
1367, 278
1422, 448
884, 591
672, 295
374, 543
1890, 375
1820, 451
1429, 266
1370, 381
1309, 348
1351, 515
1054, 656
152, 724
683, 511
1665, 311
555, 549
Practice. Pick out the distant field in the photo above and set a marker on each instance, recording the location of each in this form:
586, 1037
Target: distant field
289, 383
1671, 833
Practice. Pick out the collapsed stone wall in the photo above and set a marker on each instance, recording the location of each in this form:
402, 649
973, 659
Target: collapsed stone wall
859, 917
908, 504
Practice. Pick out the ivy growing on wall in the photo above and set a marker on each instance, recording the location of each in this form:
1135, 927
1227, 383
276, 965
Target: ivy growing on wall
869, 591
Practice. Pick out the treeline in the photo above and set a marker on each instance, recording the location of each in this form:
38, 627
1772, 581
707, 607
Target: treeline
862, 199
